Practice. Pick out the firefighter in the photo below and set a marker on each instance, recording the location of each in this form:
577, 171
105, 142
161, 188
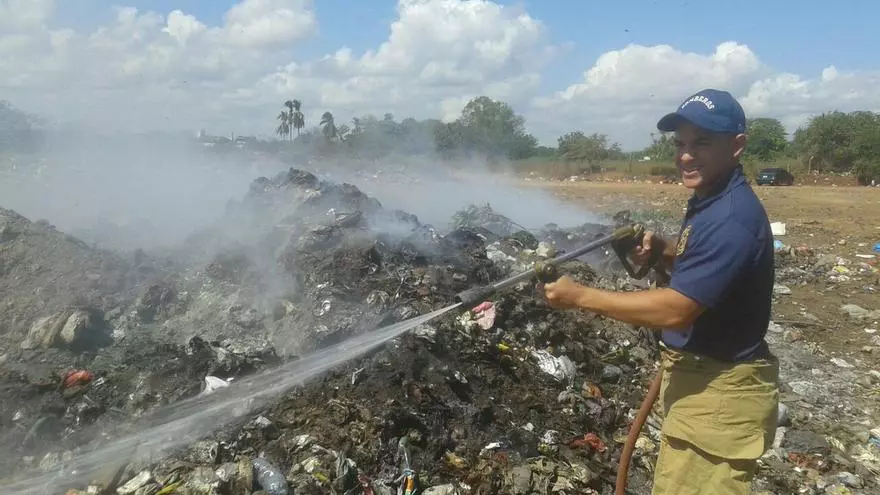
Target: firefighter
719, 391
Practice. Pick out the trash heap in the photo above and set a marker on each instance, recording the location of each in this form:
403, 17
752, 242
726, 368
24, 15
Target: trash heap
496, 398
509, 396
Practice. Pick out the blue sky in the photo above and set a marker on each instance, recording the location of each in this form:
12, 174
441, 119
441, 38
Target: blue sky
798, 36
789, 44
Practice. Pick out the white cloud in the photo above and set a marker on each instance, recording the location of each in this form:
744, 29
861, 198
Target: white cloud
269, 23
160, 69
183, 26
24, 14
793, 99
628, 90
439, 54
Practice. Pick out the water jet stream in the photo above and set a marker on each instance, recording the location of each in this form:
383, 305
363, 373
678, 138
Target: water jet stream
187, 421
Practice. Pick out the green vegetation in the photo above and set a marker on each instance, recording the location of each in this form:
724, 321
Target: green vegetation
291, 118
834, 142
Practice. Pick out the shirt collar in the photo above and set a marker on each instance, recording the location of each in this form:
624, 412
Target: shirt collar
734, 179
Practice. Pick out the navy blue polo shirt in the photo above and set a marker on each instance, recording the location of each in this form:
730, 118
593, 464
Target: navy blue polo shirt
724, 261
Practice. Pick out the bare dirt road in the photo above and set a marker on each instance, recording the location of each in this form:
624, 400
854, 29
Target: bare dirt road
814, 215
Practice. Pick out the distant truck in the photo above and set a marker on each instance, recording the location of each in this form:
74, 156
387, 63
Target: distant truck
774, 177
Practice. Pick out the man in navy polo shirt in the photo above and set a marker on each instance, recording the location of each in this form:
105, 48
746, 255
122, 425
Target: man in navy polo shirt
720, 381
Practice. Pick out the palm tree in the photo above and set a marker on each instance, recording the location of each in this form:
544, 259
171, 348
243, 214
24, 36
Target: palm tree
299, 120
283, 128
328, 127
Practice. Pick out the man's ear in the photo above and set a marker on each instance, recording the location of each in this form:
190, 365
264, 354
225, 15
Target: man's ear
739, 145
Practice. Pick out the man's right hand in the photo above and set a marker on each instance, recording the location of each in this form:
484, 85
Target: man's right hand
651, 243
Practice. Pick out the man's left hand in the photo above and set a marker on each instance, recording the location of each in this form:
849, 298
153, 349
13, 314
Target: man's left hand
564, 293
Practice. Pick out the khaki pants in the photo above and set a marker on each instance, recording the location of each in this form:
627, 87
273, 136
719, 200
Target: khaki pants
719, 419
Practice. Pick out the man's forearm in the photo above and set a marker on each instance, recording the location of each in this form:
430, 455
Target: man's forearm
657, 308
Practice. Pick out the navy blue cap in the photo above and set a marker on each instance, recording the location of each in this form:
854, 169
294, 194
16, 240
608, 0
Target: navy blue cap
711, 109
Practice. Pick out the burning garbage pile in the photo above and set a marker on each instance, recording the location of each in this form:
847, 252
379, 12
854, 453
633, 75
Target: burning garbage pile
496, 398
507, 396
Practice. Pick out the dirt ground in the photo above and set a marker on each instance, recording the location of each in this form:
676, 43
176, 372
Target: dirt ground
832, 220
812, 214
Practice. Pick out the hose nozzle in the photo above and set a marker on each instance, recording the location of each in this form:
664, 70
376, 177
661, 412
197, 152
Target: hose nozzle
546, 272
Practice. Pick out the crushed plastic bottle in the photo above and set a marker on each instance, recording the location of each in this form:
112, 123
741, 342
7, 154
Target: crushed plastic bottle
407, 478
269, 477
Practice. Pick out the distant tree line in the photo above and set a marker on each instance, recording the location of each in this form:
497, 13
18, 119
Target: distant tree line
831, 142
835, 141
490, 129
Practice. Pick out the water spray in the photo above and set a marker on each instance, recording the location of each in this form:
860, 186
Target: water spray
176, 425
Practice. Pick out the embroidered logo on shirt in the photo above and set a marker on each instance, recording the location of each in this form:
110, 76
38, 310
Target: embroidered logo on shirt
682, 241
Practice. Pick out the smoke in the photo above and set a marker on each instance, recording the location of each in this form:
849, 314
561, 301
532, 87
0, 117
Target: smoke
170, 195
434, 191
126, 192
156, 190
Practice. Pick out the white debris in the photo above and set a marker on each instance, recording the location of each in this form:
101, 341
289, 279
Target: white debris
545, 250
213, 383
781, 289
490, 447
841, 363
560, 367
135, 483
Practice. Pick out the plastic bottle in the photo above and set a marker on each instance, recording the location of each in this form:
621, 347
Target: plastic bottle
269, 477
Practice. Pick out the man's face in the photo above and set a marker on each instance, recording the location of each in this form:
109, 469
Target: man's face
704, 157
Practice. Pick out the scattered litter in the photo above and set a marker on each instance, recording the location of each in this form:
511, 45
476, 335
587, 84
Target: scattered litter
782, 415
590, 440
545, 250
438, 385
77, 378
213, 383
561, 368
840, 363
134, 484
485, 313
269, 477
645, 445
860, 313
781, 289
354, 375
325, 307
489, 448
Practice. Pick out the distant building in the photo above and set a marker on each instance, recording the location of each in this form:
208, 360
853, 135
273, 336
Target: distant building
207, 140
242, 141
